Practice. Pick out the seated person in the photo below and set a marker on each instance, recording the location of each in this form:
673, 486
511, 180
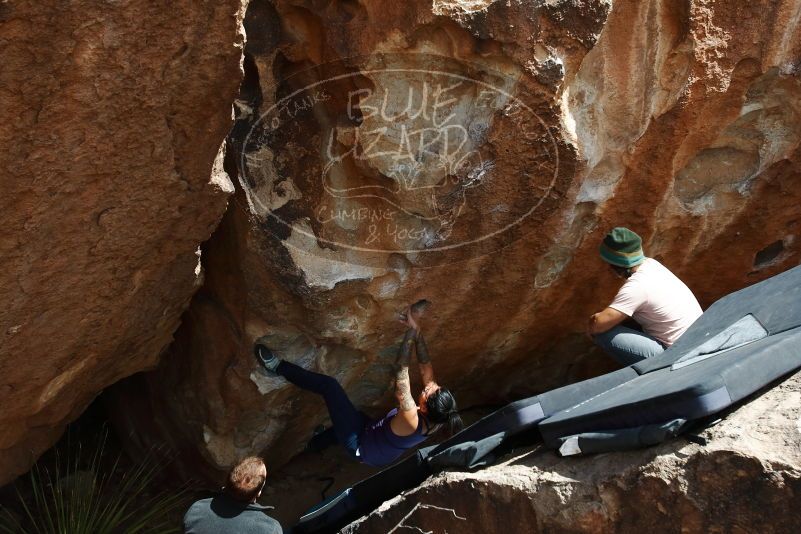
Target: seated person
651, 295
381, 441
234, 510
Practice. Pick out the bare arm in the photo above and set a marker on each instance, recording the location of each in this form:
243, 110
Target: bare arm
605, 320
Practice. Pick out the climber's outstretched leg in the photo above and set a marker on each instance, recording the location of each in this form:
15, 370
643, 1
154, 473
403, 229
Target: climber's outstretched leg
347, 421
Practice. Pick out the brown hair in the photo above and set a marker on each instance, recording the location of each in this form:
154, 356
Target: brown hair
246, 479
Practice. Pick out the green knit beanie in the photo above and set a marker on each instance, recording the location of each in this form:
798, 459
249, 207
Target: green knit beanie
623, 248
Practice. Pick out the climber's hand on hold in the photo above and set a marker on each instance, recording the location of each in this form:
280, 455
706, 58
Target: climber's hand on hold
414, 313
408, 319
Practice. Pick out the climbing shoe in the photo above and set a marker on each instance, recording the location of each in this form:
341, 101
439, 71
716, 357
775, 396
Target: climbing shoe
267, 360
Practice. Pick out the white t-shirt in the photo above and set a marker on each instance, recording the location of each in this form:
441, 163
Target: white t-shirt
662, 304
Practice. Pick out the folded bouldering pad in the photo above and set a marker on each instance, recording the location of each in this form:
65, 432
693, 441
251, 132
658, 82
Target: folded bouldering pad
741, 344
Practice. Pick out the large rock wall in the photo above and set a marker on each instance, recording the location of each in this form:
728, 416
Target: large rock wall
747, 478
112, 115
680, 119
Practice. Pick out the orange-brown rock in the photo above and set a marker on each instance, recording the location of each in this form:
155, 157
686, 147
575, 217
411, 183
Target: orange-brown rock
360, 191
111, 118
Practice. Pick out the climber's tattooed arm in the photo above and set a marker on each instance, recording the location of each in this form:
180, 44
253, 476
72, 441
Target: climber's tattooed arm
403, 389
422, 350
424, 361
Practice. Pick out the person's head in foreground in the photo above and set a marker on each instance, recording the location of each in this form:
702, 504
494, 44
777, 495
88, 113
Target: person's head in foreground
246, 480
234, 510
622, 250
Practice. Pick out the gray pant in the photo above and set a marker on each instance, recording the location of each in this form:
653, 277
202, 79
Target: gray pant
628, 346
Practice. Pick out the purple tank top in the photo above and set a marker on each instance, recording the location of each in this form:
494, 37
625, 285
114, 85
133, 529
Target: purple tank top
379, 445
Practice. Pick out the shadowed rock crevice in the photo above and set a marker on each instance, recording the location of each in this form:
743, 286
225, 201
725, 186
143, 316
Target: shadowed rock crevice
769, 254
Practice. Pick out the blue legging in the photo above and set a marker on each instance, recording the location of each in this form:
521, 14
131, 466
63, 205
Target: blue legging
347, 421
628, 346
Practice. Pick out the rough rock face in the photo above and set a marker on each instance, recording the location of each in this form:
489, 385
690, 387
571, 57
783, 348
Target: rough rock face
473, 153
746, 479
112, 116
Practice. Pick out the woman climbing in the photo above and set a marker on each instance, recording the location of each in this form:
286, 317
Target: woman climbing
377, 442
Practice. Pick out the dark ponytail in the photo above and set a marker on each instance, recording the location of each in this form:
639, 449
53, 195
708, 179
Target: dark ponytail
455, 423
442, 410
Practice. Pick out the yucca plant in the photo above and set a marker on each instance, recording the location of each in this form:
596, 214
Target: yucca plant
86, 498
